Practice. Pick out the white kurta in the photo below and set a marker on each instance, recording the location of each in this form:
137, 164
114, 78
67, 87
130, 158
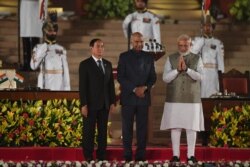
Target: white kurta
182, 115
212, 54
54, 70
146, 23
30, 21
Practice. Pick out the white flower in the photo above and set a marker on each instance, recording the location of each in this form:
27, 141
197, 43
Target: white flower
246, 164
127, 165
199, 163
238, 162
49, 164
67, 162
18, 164
231, 163
165, 164
78, 164
190, 162
140, 163
131, 162
59, 162
237, 165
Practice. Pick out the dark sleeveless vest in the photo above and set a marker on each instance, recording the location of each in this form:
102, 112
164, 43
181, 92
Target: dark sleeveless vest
183, 89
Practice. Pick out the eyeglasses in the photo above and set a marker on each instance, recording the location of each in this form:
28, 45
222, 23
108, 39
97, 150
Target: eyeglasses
183, 46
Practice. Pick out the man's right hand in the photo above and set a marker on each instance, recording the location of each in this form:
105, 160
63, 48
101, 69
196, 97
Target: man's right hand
84, 111
179, 67
42, 51
139, 91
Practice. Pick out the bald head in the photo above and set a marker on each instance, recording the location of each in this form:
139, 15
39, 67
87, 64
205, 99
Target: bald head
137, 41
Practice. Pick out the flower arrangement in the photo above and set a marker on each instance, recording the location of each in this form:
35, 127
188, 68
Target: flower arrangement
55, 122
231, 127
121, 164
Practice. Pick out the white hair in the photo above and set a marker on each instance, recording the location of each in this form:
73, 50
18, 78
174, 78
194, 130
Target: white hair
184, 37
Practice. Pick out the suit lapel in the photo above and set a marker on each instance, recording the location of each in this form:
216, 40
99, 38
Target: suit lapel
95, 66
107, 69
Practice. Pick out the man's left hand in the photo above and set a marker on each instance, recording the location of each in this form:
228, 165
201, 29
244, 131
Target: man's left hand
112, 108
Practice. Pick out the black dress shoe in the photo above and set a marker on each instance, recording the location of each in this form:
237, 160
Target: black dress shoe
89, 159
100, 158
192, 159
128, 159
175, 159
140, 159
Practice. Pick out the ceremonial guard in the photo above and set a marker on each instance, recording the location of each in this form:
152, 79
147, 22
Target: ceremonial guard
211, 51
142, 21
51, 58
32, 15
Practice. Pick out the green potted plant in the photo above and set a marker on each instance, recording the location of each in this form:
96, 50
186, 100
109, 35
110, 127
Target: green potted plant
108, 9
240, 10
231, 127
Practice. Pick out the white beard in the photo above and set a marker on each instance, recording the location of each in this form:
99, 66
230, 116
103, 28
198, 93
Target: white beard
184, 53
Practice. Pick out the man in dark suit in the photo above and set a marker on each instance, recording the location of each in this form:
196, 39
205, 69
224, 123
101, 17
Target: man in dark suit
136, 75
97, 96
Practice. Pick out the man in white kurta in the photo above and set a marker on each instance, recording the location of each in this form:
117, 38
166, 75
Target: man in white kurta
145, 22
211, 51
183, 108
51, 58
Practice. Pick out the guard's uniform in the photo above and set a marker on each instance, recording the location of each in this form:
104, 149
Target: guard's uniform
54, 71
146, 23
32, 15
211, 51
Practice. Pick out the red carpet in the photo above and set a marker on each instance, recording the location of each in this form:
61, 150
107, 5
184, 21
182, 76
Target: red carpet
115, 153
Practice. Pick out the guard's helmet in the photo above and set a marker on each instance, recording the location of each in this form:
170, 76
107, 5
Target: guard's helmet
145, 1
50, 25
208, 20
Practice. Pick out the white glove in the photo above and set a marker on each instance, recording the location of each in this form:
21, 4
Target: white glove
41, 51
197, 44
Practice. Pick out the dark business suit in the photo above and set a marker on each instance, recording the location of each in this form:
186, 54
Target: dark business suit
135, 69
97, 92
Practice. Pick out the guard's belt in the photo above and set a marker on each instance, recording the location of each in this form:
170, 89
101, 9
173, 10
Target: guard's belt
53, 71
